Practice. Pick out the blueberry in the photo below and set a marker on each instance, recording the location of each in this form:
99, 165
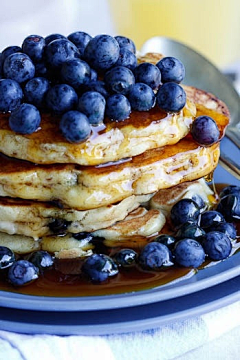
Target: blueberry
98, 267
141, 97
217, 245
148, 74
58, 226
35, 91
204, 130
192, 231
10, 95
41, 259
167, 240
231, 189
126, 258
86, 236
97, 85
227, 228
93, 75
211, 218
53, 37
75, 126
118, 107
25, 119
102, 52
155, 256
119, 80
33, 46
200, 202
61, 98
22, 272
229, 207
7, 257
18, 67
172, 69
75, 72
127, 59
171, 97
184, 210
41, 69
80, 39
126, 43
189, 253
92, 104
60, 50
10, 50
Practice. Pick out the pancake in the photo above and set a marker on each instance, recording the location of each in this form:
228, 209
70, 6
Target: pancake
36, 219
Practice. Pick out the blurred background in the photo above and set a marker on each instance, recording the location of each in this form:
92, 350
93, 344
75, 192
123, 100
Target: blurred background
210, 26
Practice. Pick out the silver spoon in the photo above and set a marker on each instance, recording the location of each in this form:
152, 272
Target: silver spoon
203, 74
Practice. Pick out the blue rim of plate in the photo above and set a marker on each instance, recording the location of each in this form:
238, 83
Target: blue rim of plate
205, 278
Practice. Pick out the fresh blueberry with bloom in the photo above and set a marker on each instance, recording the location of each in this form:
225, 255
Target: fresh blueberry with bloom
127, 58
7, 257
61, 98
75, 126
92, 104
126, 43
228, 229
60, 50
189, 253
230, 189
33, 46
25, 119
211, 218
99, 267
118, 107
35, 91
204, 130
149, 74
41, 69
229, 207
171, 97
155, 256
75, 72
102, 52
119, 79
167, 240
190, 230
22, 272
141, 97
217, 245
18, 67
126, 258
96, 85
10, 50
80, 39
172, 69
42, 260
52, 37
184, 210
10, 95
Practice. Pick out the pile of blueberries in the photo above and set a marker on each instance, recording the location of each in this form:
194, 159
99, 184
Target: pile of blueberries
83, 80
198, 235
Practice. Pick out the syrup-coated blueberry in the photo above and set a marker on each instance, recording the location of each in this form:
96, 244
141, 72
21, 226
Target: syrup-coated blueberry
80, 39
25, 119
126, 258
60, 50
126, 43
75, 126
141, 97
41, 259
211, 218
155, 256
184, 210
7, 257
119, 79
217, 245
171, 97
149, 74
167, 240
98, 267
35, 91
22, 272
102, 52
204, 130
92, 104
127, 58
172, 69
10, 95
229, 207
228, 229
61, 98
75, 72
18, 67
190, 230
118, 107
189, 253
230, 189
33, 46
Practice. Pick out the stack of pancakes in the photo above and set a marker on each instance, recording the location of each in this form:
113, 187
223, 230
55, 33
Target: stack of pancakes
113, 185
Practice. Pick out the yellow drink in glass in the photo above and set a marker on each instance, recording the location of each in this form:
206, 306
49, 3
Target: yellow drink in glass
211, 27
